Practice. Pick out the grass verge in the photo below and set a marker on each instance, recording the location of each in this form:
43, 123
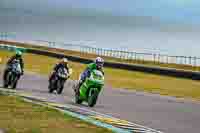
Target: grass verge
107, 58
17, 116
117, 78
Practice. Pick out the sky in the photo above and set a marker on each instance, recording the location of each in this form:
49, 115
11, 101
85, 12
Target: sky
61, 20
181, 11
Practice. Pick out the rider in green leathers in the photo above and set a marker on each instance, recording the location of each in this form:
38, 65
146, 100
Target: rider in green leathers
98, 65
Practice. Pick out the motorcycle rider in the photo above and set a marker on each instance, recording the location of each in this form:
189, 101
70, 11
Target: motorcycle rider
62, 64
17, 56
97, 64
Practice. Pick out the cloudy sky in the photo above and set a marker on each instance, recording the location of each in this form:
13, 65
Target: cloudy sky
181, 11
167, 26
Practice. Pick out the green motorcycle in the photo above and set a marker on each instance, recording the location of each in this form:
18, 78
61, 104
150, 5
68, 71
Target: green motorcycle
90, 89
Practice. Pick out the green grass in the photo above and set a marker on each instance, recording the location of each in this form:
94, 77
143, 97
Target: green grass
163, 85
117, 78
17, 116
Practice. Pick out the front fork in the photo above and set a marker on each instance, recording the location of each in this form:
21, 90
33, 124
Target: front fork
9, 78
93, 90
53, 82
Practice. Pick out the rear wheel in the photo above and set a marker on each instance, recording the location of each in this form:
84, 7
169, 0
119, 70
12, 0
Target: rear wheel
5, 85
7, 80
51, 90
92, 98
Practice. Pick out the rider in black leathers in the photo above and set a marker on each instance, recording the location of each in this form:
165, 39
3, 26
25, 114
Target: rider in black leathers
17, 56
63, 63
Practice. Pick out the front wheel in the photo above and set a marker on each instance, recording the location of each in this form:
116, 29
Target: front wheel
14, 81
51, 87
92, 98
60, 86
14, 84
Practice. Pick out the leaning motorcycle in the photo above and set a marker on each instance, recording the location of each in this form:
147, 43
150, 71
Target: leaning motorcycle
12, 76
57, 83
90, 89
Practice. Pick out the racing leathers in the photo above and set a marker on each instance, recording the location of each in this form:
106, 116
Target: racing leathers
10, 62
55, 69
86, 73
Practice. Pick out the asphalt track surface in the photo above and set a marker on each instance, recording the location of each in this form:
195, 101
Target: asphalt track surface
166, 114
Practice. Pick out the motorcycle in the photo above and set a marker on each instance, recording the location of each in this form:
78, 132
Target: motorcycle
57, 83
12, 76
90, 89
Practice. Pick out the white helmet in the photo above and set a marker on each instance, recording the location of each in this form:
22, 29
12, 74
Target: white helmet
99, 62
65, 60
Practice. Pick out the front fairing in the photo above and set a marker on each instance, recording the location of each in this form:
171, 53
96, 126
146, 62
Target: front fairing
91, 82
62, 73
16, 68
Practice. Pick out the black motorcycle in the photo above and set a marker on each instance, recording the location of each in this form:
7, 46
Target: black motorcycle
12, 77
57, 83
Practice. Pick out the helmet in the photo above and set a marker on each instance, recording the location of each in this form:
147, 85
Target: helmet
99, 62
18, 53
65, 61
